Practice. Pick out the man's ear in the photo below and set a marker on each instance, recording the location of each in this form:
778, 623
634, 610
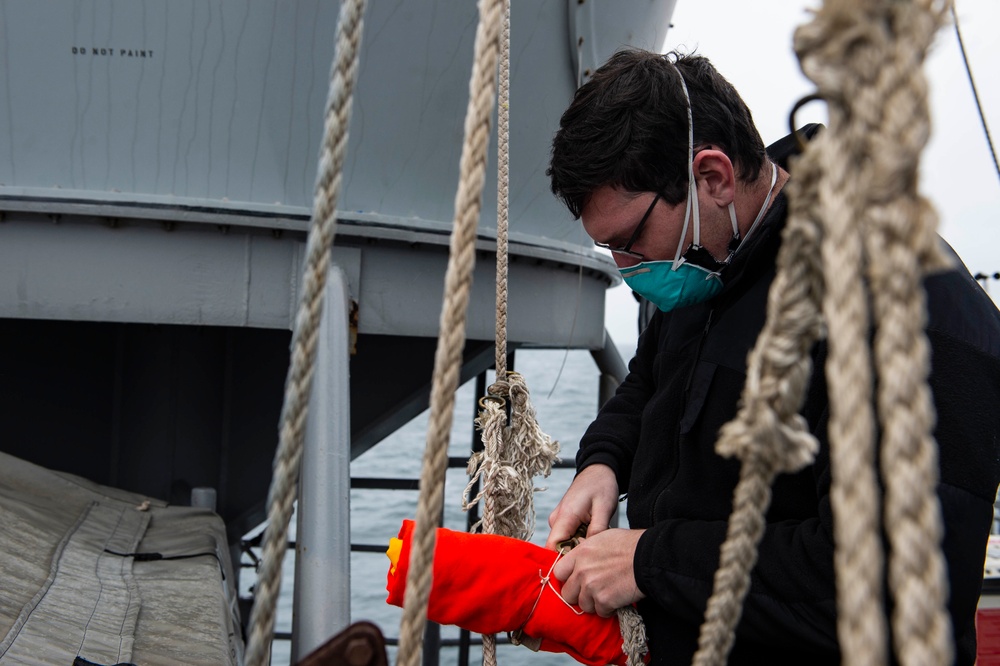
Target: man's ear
713, 170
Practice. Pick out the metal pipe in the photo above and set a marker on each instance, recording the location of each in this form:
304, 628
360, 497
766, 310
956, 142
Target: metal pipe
612, 367
613, 371
322, 599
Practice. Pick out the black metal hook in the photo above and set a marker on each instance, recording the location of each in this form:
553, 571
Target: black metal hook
792, 126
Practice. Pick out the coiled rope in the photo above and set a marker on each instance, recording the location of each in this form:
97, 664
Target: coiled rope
298, 385
855, 188
448, 357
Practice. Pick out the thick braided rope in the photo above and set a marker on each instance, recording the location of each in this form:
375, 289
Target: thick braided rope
902, 244
634, 643
448, 357
303, 351
880, 115
854, 492
767, 434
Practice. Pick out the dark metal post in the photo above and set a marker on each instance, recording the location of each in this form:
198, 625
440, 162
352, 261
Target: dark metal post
613, 371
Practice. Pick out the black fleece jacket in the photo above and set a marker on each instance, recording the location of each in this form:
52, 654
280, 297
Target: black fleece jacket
658, 434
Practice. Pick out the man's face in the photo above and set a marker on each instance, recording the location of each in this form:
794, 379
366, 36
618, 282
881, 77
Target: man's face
611, 218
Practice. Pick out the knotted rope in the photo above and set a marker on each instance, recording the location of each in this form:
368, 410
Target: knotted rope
451, 340
510, 459
298, 384
767, 434
879, 125
513, 456
854, 187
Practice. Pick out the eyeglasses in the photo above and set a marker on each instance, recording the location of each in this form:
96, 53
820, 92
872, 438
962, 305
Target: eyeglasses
626, 249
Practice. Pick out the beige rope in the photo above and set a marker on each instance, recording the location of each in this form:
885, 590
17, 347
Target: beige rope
298, 385
858, 181
503, 174
767, 434
510, 459
451, 340
503, 178
854, 491
880, 123
634, 643
492, 419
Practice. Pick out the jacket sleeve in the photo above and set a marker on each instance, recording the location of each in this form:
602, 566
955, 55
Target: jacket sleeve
791, 601
612, 437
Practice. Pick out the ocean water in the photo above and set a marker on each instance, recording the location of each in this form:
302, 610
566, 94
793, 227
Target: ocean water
564, 392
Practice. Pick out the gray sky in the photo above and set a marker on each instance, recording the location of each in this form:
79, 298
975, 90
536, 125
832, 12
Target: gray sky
750, 44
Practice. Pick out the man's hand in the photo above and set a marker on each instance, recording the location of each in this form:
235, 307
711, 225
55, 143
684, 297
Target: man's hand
597, 575
591, 498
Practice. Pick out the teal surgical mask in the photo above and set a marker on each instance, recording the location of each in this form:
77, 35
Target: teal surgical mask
675, 284
669, 288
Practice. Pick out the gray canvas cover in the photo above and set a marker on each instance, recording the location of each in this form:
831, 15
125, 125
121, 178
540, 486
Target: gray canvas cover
70, 584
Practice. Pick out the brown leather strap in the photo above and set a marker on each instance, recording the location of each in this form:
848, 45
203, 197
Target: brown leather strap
361, 644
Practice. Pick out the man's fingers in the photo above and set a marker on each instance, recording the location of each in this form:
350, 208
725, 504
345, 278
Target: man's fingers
558, 532
562, 531
563, 525
563, 568
597, 526
601, 520
591, 497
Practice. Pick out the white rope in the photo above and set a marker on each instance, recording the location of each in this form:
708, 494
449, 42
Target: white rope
510, 459
855, 187
503, 174
882, 124
298, 385
451, 340
503, 180
767, 435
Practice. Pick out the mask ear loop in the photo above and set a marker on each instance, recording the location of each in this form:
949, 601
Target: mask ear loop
767, 201
691, 209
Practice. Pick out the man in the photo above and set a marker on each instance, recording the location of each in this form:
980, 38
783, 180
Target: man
660, 158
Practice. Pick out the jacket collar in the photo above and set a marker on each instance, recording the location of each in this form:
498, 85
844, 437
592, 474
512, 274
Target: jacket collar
761, 248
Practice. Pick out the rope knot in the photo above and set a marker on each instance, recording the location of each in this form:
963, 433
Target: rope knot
783, 445
499, 388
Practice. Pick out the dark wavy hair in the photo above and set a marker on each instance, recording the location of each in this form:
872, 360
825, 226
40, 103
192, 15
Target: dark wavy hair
627, 127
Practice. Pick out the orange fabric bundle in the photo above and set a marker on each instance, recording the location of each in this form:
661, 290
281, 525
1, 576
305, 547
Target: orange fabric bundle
490, 584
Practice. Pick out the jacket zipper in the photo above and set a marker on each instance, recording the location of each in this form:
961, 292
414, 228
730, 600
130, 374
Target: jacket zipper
697, 355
